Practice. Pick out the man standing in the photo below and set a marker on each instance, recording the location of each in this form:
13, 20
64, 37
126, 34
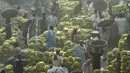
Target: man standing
80, 51
52, 20
8, 29
17, 66
96, 58
32, 27
55, 9
43, 24
95, 18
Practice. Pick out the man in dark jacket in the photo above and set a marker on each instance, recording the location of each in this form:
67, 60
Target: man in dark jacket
18, 66
32, 28
18, 63
96, 58
8, 29
43, 24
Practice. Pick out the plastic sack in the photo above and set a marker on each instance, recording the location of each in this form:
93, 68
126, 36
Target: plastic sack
58, 70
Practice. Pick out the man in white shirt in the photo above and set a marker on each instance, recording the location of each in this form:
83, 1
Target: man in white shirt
95, 19
52, 20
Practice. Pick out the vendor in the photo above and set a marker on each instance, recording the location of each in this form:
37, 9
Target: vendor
17, 66
52, 20
80, 51
32, 31
55, 8
76, 37
20, 39
96, 58
51, 38
95, 18
57, 59
43, 24
8, 29
104, 33
87, 67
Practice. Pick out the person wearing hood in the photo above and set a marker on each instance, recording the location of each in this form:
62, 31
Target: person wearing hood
21, 11
96, 58
80, 51
17, 65
51, 38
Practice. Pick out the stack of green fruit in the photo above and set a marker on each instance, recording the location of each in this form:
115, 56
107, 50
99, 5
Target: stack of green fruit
60, 38
68, 45
41, 67
125, 61
7, 48
122, 44
36, 56
8, 69
101, 71
119, 9
2, 35
112, 60
37, 43
72, 64
66, 7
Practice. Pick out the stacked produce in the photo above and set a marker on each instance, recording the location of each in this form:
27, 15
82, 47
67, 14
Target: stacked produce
122, 44
9, 68
66, 7
119, 9
37, 43
2, 35
125, 61
112, 60
7, 48
101, 71
112, 56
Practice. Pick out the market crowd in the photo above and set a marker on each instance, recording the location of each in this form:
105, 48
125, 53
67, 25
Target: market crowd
49, 22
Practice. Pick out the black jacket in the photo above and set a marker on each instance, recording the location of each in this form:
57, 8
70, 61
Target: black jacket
96, 59
18, 66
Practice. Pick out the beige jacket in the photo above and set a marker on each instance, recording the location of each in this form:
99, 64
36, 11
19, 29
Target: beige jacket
87, 68
58, 62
